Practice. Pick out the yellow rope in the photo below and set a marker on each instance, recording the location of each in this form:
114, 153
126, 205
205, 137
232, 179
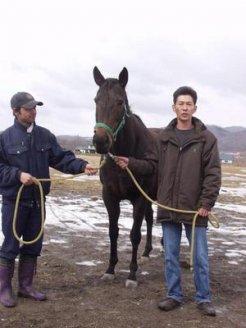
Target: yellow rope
212, 218
42, 213
38, 183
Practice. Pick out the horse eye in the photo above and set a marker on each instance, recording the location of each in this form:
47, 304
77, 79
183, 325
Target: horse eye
95, 99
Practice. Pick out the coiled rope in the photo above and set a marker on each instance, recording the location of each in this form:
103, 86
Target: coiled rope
41, 192
212, 218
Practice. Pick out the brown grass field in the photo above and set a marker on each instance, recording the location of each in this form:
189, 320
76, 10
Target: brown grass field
79, 298
94, 159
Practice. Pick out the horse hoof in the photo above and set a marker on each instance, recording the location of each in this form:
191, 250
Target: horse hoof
108, 277
144, 260
131, 283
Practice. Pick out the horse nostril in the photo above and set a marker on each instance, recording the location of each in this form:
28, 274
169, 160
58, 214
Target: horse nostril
101, 142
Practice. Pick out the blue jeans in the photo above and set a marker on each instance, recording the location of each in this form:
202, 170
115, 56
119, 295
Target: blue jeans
28, 225
171, 239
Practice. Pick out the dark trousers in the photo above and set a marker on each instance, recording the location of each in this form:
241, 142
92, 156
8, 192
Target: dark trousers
28, 225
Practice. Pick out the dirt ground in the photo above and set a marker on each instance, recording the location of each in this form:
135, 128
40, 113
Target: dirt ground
78, 297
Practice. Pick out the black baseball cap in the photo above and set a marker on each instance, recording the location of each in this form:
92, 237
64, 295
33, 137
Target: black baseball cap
24, 100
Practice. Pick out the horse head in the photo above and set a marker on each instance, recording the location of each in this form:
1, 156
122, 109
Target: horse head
111, 109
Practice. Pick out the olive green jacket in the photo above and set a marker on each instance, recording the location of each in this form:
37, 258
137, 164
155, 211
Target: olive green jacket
189, 178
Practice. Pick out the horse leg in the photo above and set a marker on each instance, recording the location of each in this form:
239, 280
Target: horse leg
113, 208
135, 235
149, 224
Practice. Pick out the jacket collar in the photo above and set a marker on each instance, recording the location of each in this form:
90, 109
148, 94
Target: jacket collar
168, 132
20, 126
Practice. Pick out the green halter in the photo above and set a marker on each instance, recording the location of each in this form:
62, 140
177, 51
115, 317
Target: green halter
120, 126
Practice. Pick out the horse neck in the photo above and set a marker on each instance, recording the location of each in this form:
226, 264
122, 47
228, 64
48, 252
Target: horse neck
129, 138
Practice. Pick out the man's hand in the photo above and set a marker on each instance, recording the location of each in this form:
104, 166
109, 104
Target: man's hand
121, 161
27, 179
90, 170
203, 212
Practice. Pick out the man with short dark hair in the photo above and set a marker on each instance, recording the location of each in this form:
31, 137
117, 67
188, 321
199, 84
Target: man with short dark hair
189, 179
26, 153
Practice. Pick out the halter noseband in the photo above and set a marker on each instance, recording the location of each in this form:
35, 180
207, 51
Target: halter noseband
119, 127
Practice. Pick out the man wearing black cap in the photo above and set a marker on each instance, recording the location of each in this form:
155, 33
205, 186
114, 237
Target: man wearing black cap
26, 152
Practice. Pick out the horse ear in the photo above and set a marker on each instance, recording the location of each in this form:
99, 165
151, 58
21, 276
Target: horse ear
123, 77
98, 77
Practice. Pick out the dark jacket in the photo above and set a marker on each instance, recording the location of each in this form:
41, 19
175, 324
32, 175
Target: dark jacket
189, 177
32, 153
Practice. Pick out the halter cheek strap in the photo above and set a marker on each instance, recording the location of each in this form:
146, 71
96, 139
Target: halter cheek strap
120, 126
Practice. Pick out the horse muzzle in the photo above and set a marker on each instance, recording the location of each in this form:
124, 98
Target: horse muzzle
102, 141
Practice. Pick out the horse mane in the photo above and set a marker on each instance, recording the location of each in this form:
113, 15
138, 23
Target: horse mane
139, 118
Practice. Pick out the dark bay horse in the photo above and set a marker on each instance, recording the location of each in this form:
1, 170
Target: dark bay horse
120, 132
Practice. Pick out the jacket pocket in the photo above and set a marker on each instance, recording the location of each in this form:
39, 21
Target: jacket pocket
43, 153
17, 149
43, 148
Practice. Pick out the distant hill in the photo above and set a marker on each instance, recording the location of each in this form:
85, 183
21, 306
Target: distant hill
235, 128
230, 139
74, 142
218, 131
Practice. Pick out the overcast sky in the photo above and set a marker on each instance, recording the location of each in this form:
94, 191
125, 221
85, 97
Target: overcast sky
49, 48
